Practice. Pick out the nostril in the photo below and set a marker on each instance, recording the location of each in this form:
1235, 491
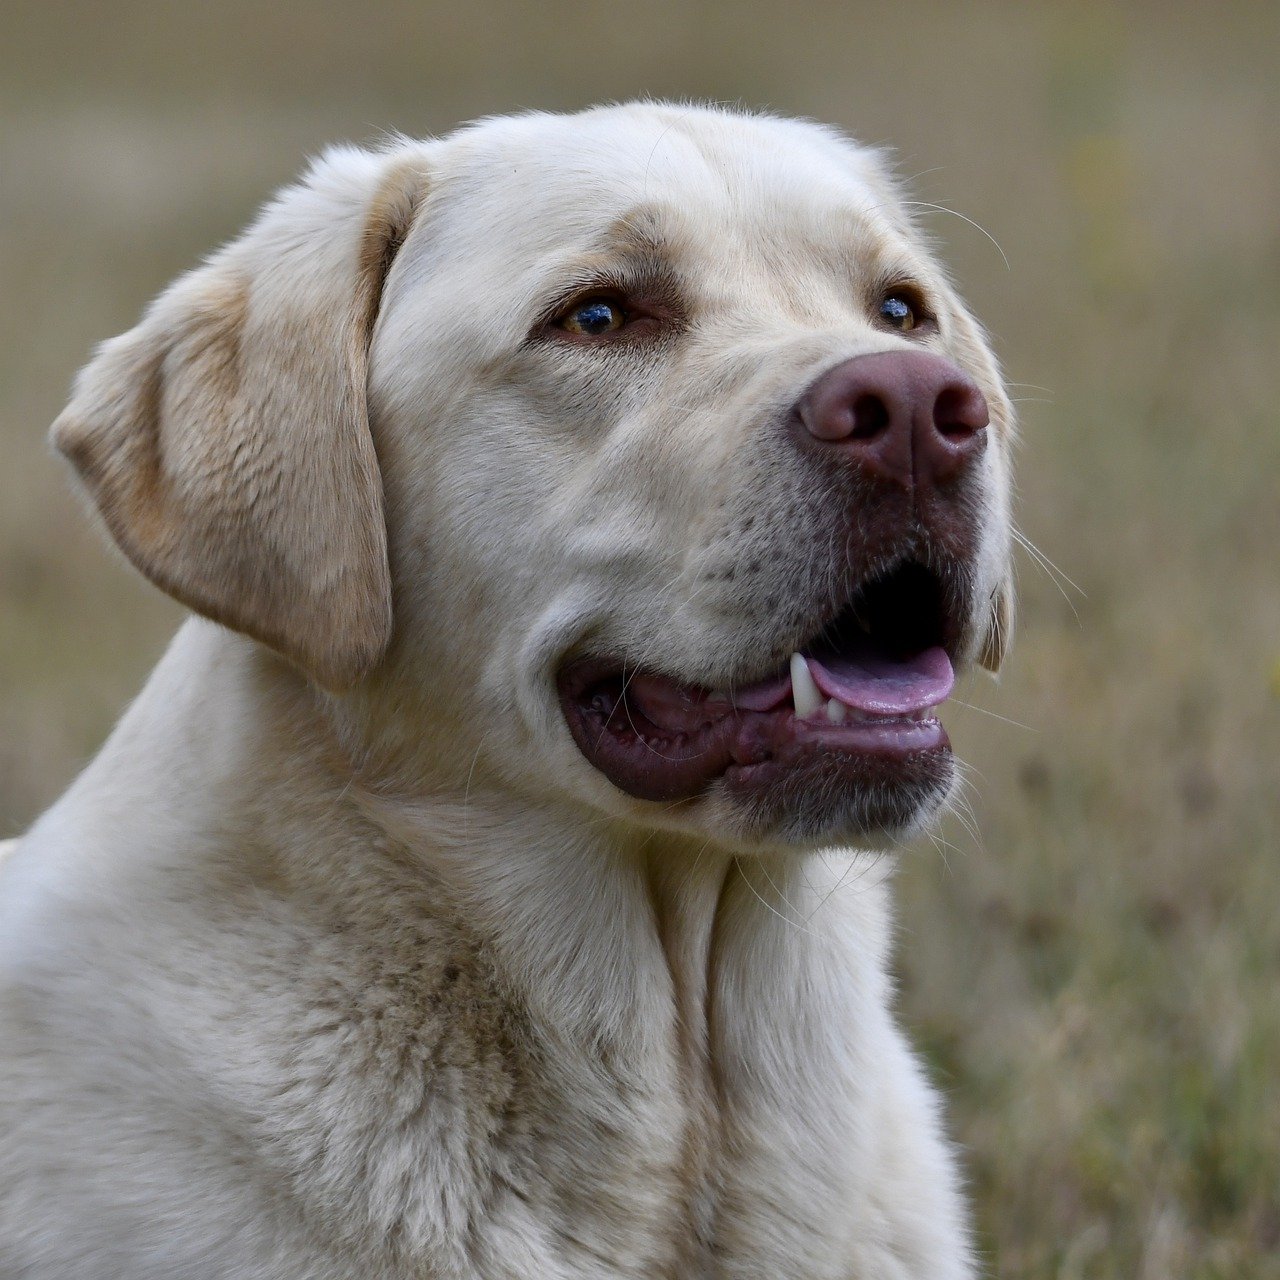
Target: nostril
960, 412
870, 416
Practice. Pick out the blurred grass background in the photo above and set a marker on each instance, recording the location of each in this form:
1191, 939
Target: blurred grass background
1093, 968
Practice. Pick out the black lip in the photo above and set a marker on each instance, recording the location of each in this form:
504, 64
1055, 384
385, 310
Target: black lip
746, 749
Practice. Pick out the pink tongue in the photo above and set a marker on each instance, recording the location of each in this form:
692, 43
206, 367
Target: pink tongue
882, 685
867, 681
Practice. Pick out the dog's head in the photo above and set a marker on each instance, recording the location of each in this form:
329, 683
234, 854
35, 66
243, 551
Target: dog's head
644, 455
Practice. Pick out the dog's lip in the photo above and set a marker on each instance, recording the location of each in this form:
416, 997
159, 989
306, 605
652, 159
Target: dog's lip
658, 738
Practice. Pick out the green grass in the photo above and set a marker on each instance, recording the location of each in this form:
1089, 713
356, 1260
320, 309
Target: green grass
1093, 973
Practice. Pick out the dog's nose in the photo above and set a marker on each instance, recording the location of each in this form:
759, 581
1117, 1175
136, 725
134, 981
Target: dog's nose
909, 417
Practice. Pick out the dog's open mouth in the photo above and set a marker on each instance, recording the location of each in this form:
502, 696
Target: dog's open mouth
857, 702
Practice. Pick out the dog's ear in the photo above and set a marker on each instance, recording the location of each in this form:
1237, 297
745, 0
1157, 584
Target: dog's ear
225, 440
999, 628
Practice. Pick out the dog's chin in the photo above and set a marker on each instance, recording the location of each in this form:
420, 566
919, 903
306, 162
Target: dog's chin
868, 801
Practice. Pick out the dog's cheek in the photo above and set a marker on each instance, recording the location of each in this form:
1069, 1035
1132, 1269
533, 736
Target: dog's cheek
991, 619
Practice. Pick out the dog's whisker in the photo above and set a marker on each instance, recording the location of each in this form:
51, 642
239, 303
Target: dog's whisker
764, 870
791, 924
983, 711
977, 226
941, 846
840, 883
1030, 547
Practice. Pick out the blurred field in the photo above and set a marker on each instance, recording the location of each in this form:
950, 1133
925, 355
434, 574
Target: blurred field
1094, 973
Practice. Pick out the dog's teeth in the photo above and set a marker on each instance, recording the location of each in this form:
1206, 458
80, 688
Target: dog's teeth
718, 695
804, 693
836, 711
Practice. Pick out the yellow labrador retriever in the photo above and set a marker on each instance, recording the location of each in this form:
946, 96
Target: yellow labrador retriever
586, 518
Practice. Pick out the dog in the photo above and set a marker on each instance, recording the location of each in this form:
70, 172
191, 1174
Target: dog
583, 518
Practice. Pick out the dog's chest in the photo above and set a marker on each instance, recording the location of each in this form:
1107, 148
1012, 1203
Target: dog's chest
460, 1136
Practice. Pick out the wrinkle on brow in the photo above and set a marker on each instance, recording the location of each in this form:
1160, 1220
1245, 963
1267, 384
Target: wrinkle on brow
644, 228
645, 237
638, 253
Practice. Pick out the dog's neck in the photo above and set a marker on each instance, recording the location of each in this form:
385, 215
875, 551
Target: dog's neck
745, 993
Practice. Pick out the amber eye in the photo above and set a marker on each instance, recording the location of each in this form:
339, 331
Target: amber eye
593, 317
898, 313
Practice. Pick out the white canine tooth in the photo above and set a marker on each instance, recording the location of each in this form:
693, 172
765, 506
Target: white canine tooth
836, 711
804, 693
718, 695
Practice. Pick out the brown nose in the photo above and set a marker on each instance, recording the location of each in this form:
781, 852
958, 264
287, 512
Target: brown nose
909, 417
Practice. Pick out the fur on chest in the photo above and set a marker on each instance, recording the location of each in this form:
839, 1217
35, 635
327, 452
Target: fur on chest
422, 1104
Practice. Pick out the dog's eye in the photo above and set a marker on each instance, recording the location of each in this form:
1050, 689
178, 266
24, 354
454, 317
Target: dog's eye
898, 313
593, 317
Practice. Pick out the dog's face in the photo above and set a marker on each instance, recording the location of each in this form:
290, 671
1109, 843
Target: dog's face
671, 403
695, 473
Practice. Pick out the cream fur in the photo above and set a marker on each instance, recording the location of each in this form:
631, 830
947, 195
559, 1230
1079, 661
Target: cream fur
340, 960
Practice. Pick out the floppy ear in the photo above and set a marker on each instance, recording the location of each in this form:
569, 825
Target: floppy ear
1000, 628
225, 440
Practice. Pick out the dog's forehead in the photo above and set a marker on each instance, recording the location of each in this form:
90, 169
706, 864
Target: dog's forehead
562, 180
